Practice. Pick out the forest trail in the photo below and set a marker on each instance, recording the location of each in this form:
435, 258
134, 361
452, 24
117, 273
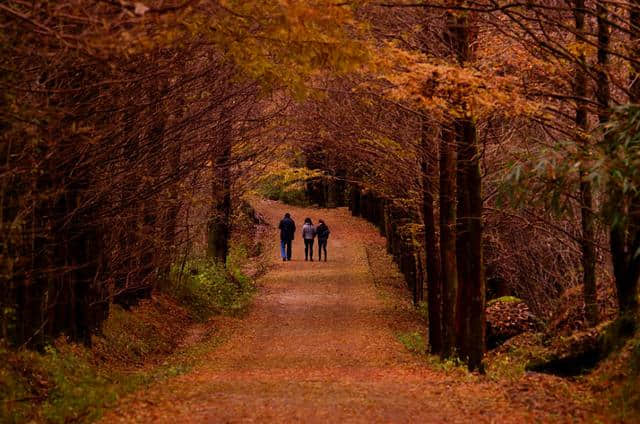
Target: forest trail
317, 346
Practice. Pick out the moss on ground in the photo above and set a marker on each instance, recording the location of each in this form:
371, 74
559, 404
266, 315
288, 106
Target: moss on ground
505, 299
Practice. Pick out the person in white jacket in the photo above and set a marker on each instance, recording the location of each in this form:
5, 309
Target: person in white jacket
308, 235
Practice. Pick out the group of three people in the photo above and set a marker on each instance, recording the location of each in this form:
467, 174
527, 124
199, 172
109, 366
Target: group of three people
309, 233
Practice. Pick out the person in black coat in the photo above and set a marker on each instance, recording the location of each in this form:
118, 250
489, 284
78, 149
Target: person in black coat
287, 231
322, 232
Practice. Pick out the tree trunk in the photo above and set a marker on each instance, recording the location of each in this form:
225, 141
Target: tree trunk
625, 238
470, 224
355, 200
434, 278
448, 240
470, 303
587, 244
219, 230
463, 237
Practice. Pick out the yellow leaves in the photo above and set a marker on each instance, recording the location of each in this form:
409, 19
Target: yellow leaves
279, 42
444, 89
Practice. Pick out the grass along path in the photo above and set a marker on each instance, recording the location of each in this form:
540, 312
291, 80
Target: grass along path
318, 346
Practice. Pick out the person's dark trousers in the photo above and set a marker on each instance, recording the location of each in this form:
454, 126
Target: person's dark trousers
285, 245
322, 245
308, 249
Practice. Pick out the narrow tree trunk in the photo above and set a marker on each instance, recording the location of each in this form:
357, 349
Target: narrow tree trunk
355, 200
587, 244
434, 278
151, 252
448, 240
634, 51
463, 249
219, 230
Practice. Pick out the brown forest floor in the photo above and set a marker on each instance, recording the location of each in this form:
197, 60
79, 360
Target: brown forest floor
320, 345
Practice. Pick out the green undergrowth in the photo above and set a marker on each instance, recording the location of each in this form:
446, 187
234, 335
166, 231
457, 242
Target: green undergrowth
453, 365
413, 341
416, 343
68, 383
72, 383
510, 360
208, 288
505, 299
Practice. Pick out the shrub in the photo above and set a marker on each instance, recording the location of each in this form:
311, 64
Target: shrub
207, 288
413, 341
58, 386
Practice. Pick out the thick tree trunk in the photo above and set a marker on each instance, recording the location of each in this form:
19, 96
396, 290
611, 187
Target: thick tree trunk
625, 243
625, 238
587, 244
470, 302
448, 240
470, 228
624, 235
434, 278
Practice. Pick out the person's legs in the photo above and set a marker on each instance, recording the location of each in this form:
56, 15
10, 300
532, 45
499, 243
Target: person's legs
311, 250
306, 249
288, 250
319, 249
283, 253
323, 245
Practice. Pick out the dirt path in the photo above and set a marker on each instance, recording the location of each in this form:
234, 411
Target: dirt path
317, 347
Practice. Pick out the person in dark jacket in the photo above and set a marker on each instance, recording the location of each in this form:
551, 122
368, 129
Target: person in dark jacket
308, 234
322, 231
287, 230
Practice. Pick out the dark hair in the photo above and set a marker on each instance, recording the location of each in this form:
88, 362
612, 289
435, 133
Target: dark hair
321, 221
308, 220
286, 215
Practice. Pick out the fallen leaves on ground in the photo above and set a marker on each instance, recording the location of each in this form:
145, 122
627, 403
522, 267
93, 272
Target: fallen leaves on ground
319, 346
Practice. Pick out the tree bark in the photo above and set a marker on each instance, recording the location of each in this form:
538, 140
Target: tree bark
624, 236
219, 230
463, 236
587, 244
448, 240
470, 301
470, 248
434, 277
